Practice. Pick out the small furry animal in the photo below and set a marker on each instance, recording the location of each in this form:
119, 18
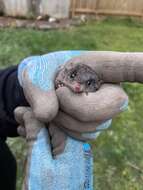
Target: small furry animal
80, 78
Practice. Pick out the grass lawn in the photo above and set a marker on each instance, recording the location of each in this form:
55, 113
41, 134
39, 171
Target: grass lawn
118, 152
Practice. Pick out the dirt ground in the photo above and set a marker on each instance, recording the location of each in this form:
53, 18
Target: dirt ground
37, 24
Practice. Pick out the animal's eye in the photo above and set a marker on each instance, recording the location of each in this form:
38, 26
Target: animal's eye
89, 82
73, 75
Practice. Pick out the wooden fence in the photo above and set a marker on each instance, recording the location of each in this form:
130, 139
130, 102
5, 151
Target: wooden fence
107, 7
65, 8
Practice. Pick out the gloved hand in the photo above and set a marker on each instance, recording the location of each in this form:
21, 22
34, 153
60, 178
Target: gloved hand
36, 76
89, 109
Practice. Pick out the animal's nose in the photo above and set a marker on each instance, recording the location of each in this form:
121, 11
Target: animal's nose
77, 87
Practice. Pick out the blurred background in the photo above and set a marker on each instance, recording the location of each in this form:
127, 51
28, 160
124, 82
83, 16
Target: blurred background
30, 27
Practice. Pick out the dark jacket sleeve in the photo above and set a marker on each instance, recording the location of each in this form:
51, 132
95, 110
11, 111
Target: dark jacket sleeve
11, 96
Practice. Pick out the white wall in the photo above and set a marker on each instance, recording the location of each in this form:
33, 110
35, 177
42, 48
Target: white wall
25, 8
55, 8
16, 7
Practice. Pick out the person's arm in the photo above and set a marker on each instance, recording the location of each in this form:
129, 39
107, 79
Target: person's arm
11, 96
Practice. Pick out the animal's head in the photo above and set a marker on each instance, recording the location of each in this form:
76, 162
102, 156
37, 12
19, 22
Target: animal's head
79, 78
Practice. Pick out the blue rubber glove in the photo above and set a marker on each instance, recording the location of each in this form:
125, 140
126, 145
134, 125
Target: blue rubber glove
70, 170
